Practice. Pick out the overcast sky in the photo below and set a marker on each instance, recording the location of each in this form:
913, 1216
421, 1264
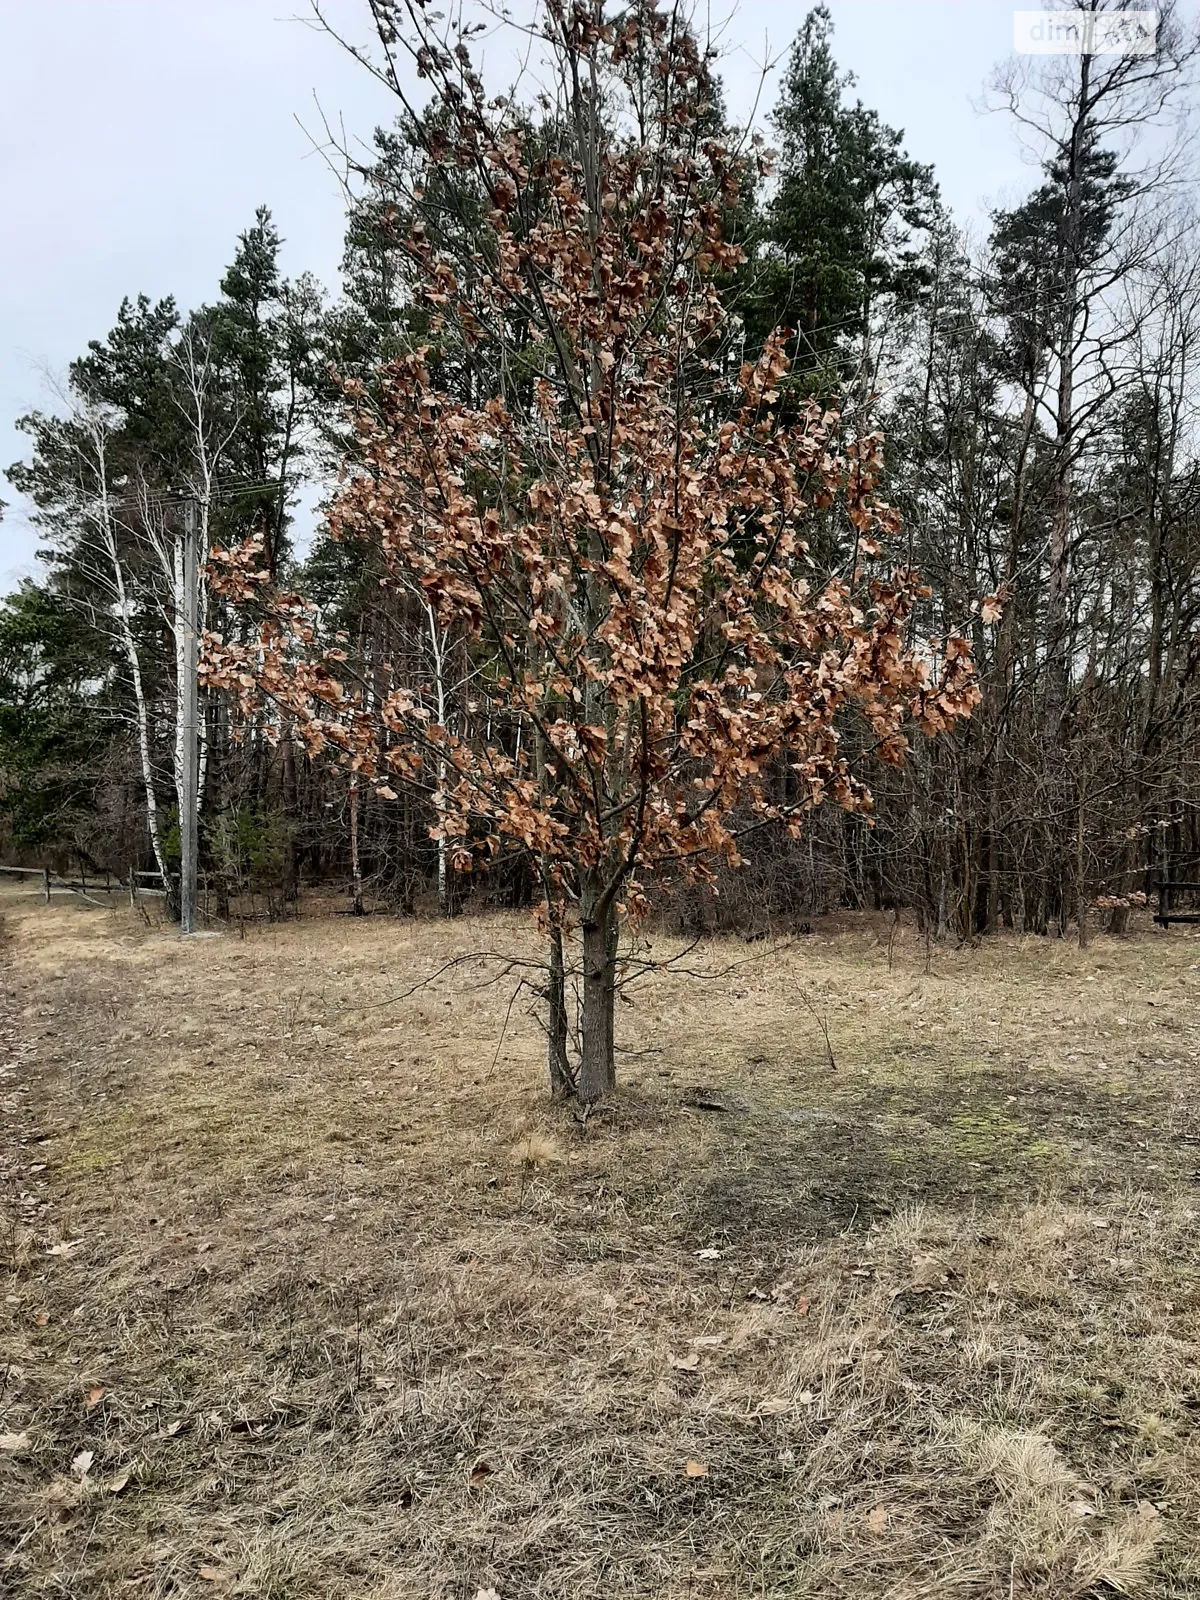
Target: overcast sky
138, 136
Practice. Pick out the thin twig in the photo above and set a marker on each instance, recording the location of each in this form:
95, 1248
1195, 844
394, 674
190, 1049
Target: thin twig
822, 1024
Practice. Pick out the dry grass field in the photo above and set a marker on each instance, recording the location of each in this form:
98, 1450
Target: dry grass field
308, 1291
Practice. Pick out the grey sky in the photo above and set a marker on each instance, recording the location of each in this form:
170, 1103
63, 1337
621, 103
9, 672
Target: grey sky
138, 136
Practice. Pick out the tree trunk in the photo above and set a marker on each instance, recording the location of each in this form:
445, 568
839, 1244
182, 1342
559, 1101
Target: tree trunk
561, 1081
1058, 598
438, 644
356, 884
291, 812
597, 1067
124, 611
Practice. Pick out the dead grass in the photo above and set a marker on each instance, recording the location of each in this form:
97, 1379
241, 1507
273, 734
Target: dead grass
361, 1315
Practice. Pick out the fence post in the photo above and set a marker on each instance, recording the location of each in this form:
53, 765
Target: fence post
46, 884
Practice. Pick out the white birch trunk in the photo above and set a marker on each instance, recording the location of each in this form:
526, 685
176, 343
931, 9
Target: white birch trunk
437, 646
129, 645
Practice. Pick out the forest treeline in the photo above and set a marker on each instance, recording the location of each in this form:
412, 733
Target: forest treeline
1037, 397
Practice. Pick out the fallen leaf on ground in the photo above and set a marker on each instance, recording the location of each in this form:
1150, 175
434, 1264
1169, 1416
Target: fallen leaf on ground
877, 1520
928, 1272
687, 1363
212, 1574
695, 1469
14, 1442
82, 1463
708, 1254
802, 1305
481, 1472
773, 1408
42, 1318
806, 1397
115, 1484
95, 1394
487, 1594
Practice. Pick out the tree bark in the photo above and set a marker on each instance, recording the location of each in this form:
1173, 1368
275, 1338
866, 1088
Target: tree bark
291, 812
1081, 905
1058, 596
124, 612
356, 883
438, 643
597, 1067
561, 1081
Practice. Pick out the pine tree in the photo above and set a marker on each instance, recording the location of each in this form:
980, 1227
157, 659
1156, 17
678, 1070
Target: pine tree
847, 219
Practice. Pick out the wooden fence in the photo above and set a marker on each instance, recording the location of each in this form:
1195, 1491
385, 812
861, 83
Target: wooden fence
52, 882
1166, 907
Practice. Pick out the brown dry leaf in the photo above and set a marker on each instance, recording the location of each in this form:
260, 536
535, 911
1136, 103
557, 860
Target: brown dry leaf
14, 1443
687, 1363
1147, 1512
212, 1574
42, 1318
877, 1520
82, 1463
695, 1469
802, 1305
928, 1272
773, 1408
487, 1594
481, 1472
115, 1484
95, 1394
806, 1397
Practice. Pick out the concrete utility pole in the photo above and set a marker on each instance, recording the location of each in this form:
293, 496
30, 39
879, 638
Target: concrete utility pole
189, 711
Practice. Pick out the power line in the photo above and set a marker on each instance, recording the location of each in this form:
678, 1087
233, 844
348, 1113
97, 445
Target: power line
163, 499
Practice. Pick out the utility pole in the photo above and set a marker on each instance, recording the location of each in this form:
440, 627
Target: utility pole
189, 711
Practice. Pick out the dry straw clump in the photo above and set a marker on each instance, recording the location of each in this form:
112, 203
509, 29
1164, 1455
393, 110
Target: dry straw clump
330, 1301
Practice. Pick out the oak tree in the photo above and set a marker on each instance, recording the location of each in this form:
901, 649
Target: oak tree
617, 538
